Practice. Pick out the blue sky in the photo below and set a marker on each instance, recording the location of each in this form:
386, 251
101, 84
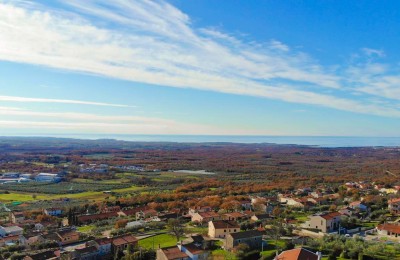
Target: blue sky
199, 67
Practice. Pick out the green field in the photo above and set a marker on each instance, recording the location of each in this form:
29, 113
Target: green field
62, 187
95, 195
164, 240
86, 229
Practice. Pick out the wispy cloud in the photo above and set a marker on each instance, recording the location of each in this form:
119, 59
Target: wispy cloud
63, 101
154, 42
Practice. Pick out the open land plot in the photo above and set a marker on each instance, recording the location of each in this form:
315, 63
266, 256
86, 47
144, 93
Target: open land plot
164, 240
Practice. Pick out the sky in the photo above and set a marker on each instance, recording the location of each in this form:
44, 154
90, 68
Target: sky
210, 67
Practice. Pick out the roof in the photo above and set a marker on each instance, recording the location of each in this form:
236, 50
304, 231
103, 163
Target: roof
85, 218
210, 214
246, 234
396, 200
124, 239
193, 249
65, 233
356, 203
173, 253
44, 255
221, 224
235, 214
53, 209
393, 228
330, 215
297, 254
262, 216
103, 241
18, 213
13, 229
86, 250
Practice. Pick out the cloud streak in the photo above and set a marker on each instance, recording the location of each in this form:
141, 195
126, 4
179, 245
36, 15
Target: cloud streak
59, 101
153, 42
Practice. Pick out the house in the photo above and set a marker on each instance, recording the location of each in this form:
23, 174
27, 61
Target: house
13, 240
103, 245
51, 254
111, 209
234, 216
246, 204
67, 236
252, 238
358, 206
135, 224
171, 253
394, 206
145, 214
260, 217
34, 239
83, 219
120, 243
16, 217
53, 211
327, 222
293, 202
221, 228
388, 229
347, 211
11, 231
298, 254
87, 253
182, 252
47, 177
204, 217
197, 209
203, 241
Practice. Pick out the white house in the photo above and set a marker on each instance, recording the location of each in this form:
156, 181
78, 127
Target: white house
11, 231
47, 177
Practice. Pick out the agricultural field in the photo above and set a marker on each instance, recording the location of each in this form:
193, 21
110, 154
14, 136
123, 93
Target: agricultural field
63, 187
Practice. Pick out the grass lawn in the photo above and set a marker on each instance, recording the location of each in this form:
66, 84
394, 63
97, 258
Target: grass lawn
199, 230
86, 229
221, 254
270, 248
164, 240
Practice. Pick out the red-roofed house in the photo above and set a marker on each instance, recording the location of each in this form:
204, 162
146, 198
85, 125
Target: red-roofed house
394, 206
298, 254
388, 229
204, 217
327, 222
121, 242
235, 216
221, 228
182, 252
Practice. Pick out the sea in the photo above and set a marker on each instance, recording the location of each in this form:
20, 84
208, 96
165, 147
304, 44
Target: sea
320, 141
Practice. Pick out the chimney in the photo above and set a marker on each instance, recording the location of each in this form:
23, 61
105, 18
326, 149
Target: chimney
179, 244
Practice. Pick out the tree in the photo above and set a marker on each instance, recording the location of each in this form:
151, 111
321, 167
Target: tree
175, 227
121, 223
242, 250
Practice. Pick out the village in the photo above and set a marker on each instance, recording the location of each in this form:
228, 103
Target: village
282, 225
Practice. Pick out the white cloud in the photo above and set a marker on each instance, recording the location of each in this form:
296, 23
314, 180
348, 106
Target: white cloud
373, 52
154, 42
63, 101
